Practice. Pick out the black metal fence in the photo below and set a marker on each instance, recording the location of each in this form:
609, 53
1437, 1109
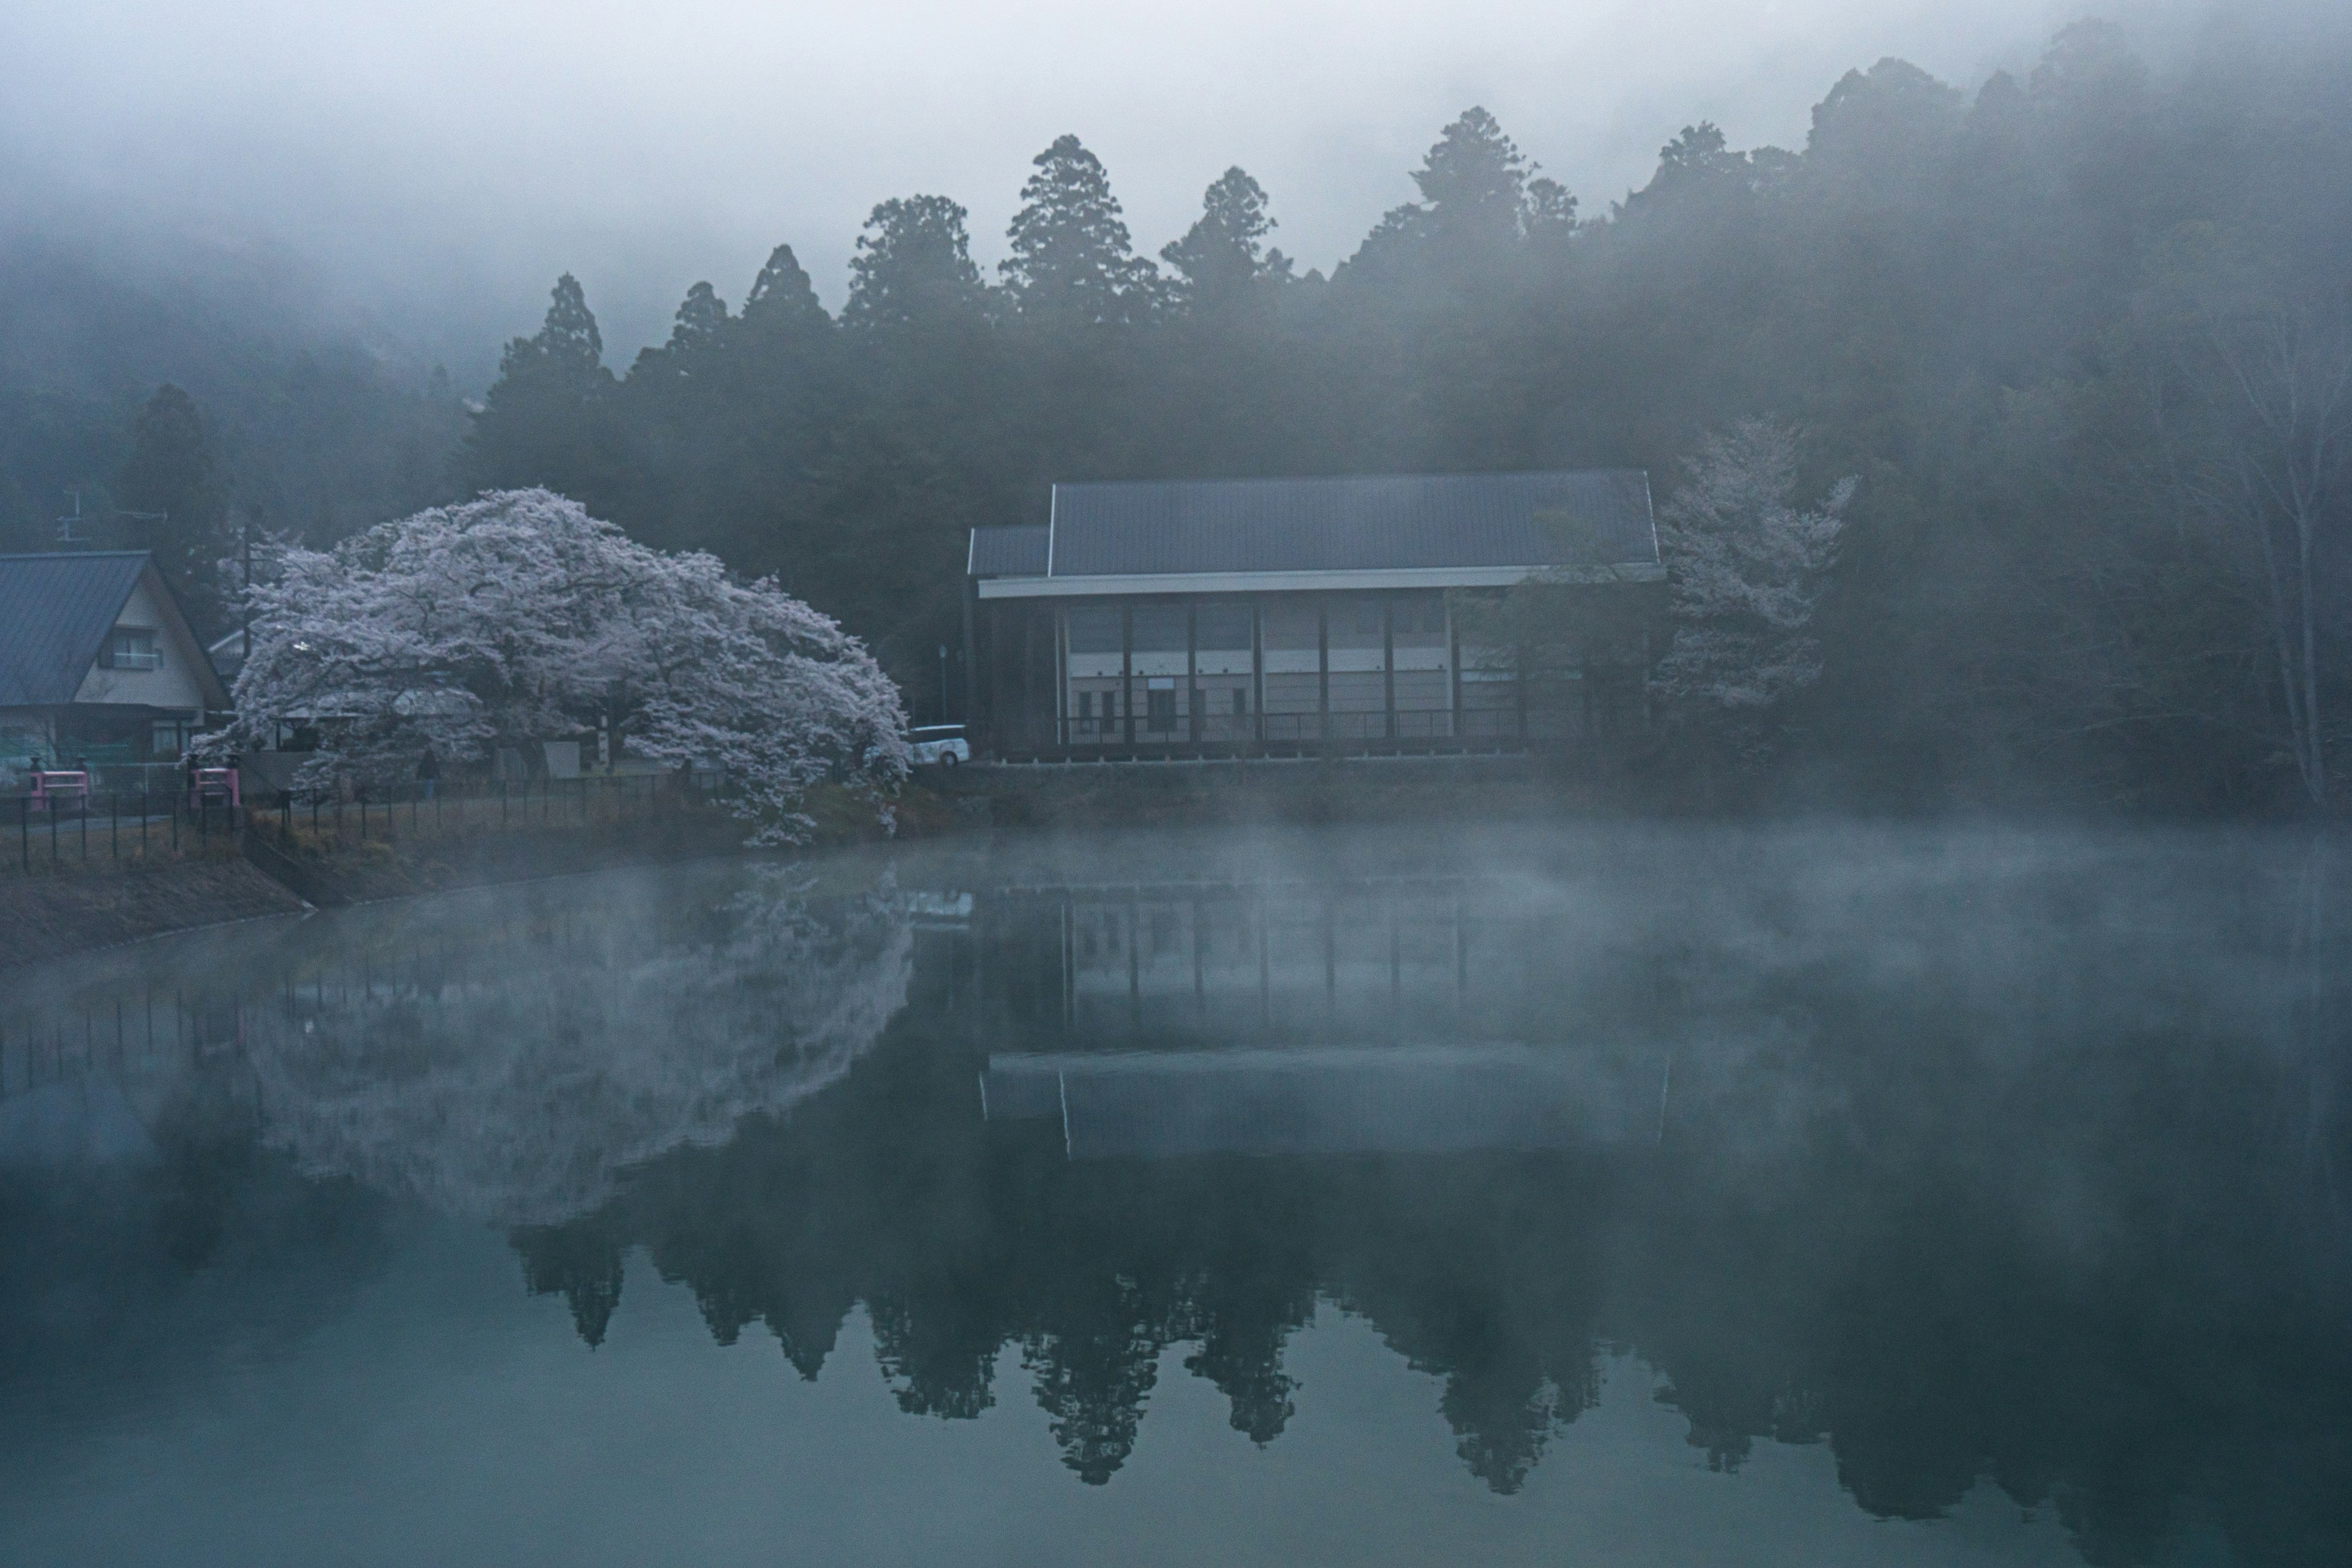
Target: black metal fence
62, 830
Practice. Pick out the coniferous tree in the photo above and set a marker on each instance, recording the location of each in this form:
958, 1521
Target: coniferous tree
548, 419
1473, 207
1221, 260
701, 323
783, 299
1072, 260
173, 489
913, 266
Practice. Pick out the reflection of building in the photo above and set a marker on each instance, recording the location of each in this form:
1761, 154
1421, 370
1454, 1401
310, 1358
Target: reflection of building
1386, 1100
1396, 960
96, 662
1286, 615
1406, 1016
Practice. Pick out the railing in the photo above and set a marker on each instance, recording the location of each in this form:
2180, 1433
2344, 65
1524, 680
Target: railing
59, 827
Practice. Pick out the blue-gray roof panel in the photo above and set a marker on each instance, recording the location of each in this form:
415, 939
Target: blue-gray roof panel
55, 614
1594, 518
1008, 553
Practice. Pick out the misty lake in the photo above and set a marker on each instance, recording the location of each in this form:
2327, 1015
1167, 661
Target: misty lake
1610, 1194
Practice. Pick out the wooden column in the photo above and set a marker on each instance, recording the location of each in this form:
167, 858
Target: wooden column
1388, 664
1257, 669
970, 671
1029, 705
1192, 670
1323, 667
1453, 664
1126, 670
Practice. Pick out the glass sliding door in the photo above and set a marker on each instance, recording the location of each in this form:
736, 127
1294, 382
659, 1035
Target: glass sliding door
1220, 708
1094, 678
1293, 633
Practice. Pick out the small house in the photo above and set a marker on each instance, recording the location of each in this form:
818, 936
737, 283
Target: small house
98, 663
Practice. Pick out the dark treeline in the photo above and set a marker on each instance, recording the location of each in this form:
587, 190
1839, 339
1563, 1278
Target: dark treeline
2015, 316
2083, 337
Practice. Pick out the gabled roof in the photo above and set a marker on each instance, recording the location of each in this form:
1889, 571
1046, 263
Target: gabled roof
55, 614
1595, 520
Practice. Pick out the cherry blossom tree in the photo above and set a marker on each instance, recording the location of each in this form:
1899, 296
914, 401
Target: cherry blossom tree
1745, 568
517, 617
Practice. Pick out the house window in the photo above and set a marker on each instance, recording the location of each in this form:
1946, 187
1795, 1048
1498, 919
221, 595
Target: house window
1240, 702
1086, 704
132, 648
1161, 714
167, 738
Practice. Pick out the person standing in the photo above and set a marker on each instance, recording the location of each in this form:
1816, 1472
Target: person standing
428, 771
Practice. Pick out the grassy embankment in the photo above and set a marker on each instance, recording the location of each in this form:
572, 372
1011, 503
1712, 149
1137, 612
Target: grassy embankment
71, 905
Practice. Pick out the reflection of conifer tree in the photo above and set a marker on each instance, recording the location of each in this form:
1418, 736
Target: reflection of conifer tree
1242, 1310
1503, 1411
939, 1355
583, 1263
1093, 1377
1244, 1359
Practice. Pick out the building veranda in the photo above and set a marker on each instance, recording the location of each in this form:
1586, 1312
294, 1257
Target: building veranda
1297, 617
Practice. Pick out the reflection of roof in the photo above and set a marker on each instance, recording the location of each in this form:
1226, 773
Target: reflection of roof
1351, 1100
1597, 520
55, 614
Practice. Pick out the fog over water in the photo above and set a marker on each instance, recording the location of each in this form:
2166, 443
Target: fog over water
433, 165
1812, 1195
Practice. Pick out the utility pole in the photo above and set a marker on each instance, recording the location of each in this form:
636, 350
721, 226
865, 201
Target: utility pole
943, 683
68, 527
245, 547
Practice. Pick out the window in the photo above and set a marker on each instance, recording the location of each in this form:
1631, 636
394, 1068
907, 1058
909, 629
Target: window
1420, 615
1161, 714
1095, 629
1222, 626
1160, 627
1240, 702
132, 648
167, 738
1086, 704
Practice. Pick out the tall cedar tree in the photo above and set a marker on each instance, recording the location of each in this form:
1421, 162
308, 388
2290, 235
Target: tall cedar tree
1222, 262
172, 479
913, 266
1072, 260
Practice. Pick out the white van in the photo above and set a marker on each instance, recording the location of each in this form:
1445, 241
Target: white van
941, 744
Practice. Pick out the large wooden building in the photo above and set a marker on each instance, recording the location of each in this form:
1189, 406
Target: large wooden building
1246, 617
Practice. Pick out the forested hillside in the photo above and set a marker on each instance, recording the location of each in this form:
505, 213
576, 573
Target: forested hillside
2084, 336
183, 397
2077, 335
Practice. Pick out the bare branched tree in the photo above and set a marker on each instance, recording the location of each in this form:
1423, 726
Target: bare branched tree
2255, 405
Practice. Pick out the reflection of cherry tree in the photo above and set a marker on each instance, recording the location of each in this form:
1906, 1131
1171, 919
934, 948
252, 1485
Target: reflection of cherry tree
519, 1100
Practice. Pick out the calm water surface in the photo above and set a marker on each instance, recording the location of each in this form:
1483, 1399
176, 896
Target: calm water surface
1537, 1195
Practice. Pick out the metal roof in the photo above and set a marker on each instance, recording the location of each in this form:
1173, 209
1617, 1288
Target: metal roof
1598, 518
1007, 552
55, 614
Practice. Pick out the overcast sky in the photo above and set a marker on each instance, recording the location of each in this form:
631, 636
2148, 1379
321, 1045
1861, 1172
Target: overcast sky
448, 157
